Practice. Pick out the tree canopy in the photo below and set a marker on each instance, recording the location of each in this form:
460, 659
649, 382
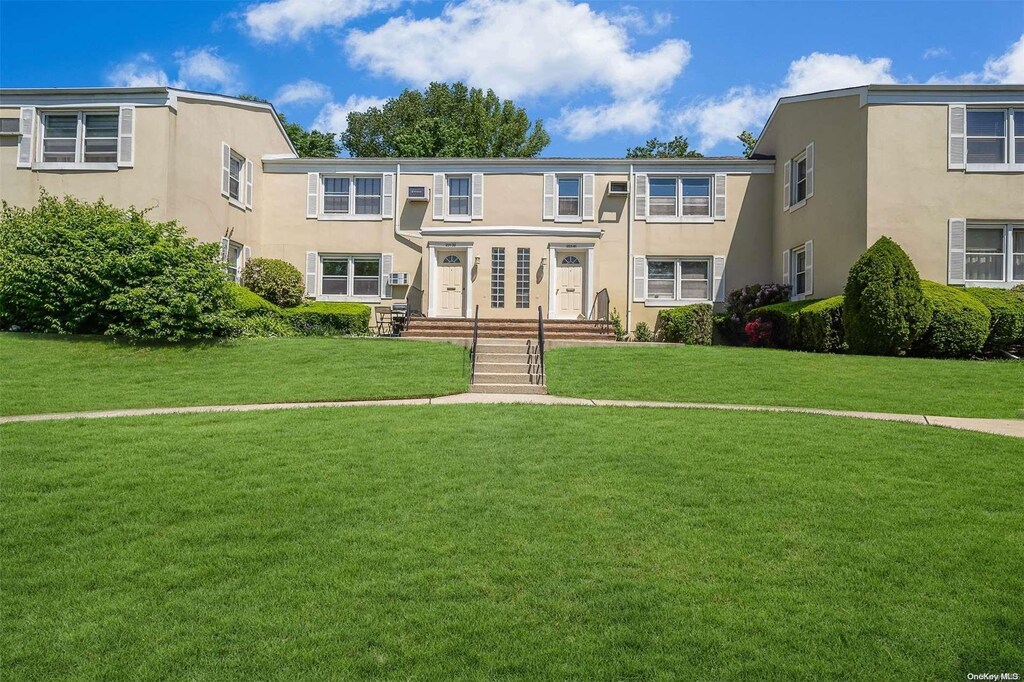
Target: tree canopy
444, 120
308, 143
676, 148
748, 140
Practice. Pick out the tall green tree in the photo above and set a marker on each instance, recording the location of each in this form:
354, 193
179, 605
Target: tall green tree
308, 143
748, 140
444, 120
676, 148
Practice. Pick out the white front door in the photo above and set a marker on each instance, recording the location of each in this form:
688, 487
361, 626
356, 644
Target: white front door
569, 285
451, 283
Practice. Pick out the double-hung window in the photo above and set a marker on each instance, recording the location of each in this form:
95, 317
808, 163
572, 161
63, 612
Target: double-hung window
994, 253
995, 137
350, 277
233, 259
568, 204
458, 196
336, 195
679, 198
799, 256
80, 137
235, 173
353, 196
799, 185
679, 279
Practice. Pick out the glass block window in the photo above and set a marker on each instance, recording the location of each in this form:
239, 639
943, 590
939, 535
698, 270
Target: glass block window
498, 277
522, 278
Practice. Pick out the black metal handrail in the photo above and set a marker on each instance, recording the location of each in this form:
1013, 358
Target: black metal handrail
602, 301
414, 301
472, 350
540, 342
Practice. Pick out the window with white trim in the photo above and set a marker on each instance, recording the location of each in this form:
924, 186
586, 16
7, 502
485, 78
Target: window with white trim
79, 137
235, 175
458, 195
798, 266
995, 136
355, 277
233, 260
798, 186
679, 197
498, 277
994, 253
679, 279
351, 195
568, 200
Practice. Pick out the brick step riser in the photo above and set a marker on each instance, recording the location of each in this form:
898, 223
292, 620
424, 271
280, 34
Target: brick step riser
525, 328
437, 334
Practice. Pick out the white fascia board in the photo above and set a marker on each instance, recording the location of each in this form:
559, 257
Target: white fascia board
515, 166
513, 230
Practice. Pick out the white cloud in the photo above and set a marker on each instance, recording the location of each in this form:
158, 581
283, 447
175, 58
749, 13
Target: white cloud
518, 48
934, 52
630, 17
291, 19
333, 118
304, 91
204, 68
139, 72
723, 118
630, 115
1008, 67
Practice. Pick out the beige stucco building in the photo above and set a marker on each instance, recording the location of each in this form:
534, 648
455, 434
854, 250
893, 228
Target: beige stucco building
940, 169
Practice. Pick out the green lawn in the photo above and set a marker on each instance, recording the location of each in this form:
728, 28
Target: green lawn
508, 542
752, 376
66, 374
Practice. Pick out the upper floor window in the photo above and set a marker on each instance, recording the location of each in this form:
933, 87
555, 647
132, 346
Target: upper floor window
80, 137
986, 138
236, 177
798, 179
236, 167
351, 195
569, 197
679, 197
994, 253
458, 195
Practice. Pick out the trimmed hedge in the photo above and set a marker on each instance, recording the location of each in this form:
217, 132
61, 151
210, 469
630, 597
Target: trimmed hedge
959, 324
1006, 328
820, 326
783, 319
250, 304
324, 318
884, 311
278, 281
691, 324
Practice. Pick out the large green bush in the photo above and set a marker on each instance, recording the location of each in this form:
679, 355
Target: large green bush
959, 323
783, 319
820, 326
250, 304
884, 310
329, 319
276, 280
1006, 328
689, 324
74, 267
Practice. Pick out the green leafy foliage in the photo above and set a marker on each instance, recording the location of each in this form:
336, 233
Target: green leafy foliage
307, 143
275, 280
820, 326
1006, 307
884, 311
690, 324
444, 121
329, 319
617, 326
643, 332
250, 304
676, 148
264, 326
74, 267
959, 324
783, 318
749, 141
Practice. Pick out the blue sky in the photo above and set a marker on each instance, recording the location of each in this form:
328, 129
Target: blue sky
602, 75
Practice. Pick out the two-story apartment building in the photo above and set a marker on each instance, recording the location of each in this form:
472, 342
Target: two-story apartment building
938, 168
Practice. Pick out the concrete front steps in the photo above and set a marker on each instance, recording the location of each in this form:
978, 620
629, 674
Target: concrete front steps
507, 365
435, 328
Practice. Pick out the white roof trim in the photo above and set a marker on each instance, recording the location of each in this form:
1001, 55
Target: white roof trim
513, 230
514, 166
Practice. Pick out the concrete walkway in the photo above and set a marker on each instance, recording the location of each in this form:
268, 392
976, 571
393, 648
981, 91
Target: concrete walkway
1002, 427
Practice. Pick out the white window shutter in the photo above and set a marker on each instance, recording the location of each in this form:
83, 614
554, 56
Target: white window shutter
387, 198
126, 137
225, 162
639, 278
248, 183
225, 244
246, 255
808, 269
478, 196
439, 199
957, 137
787, 175
720, 181
312, 194
588, 196
26, 128
549, 196
810, 170
386, 265
640, 197
785, 266
957, 249
311, 262
719, 278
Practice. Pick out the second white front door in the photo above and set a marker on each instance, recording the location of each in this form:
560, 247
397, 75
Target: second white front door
451, 283
569, 285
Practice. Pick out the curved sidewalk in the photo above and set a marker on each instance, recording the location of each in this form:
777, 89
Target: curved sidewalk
1001, 427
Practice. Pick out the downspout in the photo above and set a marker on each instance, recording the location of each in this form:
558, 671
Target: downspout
629, 249
397, 195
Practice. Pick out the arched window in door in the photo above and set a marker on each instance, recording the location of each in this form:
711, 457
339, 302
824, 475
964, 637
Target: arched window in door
570, 260
452, 259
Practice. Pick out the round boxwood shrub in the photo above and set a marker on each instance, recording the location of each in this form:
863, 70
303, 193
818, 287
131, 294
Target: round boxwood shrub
820, 326
690, 324
1007, 309
884, 310
959, 323
277, 281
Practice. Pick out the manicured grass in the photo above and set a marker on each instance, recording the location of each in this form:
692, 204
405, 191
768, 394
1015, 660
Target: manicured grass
753, 376
509, 542
66, 374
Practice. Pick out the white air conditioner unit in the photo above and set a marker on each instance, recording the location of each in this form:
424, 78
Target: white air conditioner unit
618, 188
399, 279
418, 193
